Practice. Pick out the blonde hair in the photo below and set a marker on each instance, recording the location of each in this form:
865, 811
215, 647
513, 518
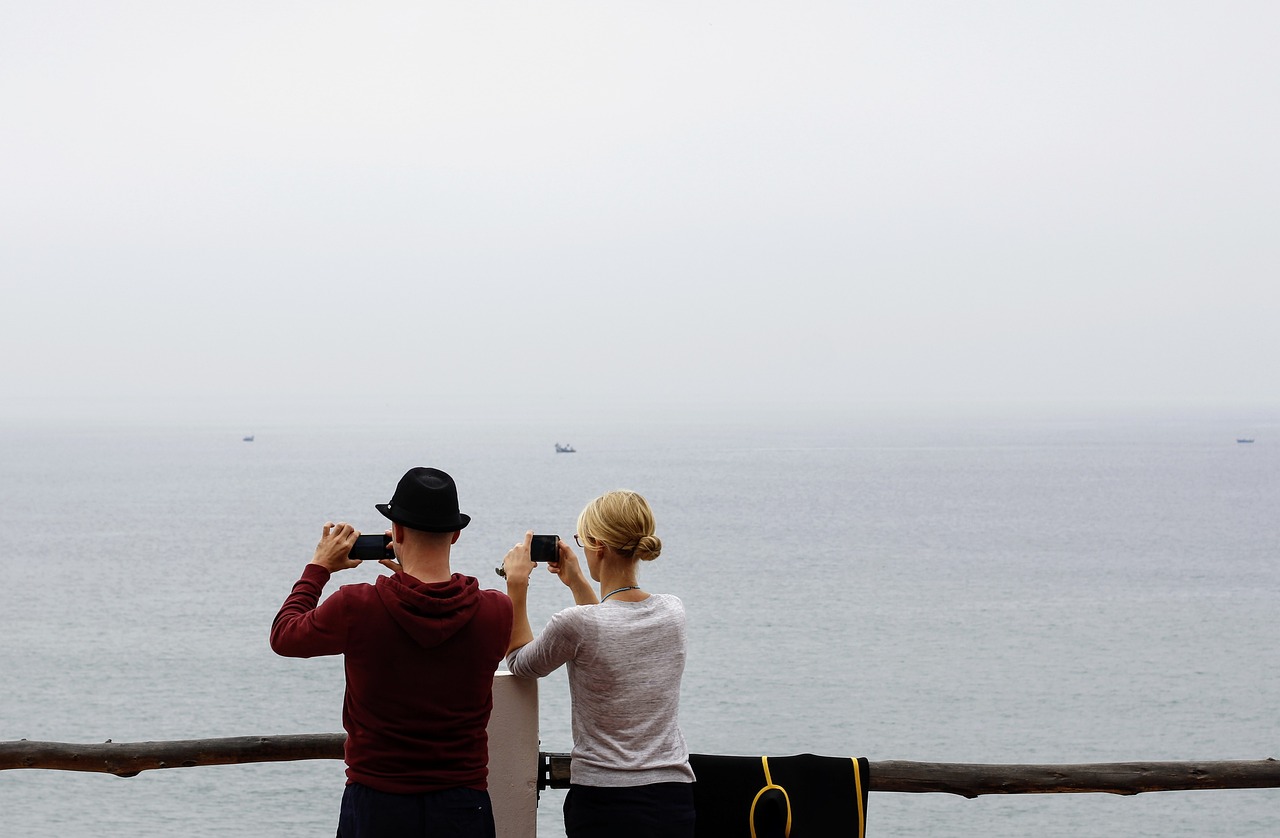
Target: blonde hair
621, 519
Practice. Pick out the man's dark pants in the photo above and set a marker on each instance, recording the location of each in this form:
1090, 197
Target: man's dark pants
366, 813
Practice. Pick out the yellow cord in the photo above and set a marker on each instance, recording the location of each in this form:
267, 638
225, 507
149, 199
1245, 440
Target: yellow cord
769, 785
857, 790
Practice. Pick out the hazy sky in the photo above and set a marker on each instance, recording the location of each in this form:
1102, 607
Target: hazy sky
255, 210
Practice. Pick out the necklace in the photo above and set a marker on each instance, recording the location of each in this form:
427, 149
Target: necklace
620, 590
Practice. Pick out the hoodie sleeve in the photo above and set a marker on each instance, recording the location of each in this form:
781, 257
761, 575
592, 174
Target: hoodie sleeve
303, 630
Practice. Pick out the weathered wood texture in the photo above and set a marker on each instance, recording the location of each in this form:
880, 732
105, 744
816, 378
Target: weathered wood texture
971, 780
127, 759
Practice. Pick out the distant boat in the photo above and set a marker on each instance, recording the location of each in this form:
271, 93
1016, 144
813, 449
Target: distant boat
249, 438
564, 449
1244, 440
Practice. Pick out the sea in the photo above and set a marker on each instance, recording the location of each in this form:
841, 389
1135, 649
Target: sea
1092, 586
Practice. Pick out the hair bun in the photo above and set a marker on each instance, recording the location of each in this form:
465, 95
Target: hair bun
648, 548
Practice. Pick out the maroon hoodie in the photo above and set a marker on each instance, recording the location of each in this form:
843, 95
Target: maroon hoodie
420, 659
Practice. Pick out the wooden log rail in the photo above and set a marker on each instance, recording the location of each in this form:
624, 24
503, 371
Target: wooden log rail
128, 759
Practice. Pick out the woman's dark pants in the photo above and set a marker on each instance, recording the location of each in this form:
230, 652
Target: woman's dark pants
660, 809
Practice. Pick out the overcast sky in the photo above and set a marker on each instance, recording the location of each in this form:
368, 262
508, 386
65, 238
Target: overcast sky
252, 211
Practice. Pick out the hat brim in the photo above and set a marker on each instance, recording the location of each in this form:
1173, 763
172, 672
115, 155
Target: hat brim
420, 524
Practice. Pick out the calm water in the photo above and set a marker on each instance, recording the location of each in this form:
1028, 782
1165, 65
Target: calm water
981, 591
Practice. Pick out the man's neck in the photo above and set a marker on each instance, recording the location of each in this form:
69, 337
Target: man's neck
427, 566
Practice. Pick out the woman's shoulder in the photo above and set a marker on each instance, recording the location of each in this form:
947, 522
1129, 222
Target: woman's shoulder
668, 600
575, 612
573, 616
659, 606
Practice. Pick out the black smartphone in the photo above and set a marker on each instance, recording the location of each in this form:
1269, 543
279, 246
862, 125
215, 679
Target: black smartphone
545, 548
372, 548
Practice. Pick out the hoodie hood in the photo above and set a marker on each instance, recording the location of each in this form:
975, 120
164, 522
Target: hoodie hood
430, 612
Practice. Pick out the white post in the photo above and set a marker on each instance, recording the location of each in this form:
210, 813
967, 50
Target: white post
513, 756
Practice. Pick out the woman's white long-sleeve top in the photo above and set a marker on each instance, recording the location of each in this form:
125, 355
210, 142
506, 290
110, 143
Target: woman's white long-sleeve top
625, 663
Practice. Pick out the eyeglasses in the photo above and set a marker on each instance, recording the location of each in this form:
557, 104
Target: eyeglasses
578, 541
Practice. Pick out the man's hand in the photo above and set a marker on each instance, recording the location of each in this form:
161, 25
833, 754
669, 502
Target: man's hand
335, 545
391, 564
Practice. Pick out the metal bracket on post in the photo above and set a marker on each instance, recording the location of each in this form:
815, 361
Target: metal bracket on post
553, 771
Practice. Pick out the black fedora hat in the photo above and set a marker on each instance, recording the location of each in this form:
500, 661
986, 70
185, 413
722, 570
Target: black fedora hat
425, 499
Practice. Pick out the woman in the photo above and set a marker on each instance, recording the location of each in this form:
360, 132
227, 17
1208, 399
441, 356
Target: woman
630, 772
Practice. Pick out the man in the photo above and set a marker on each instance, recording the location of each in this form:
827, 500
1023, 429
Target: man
421, 647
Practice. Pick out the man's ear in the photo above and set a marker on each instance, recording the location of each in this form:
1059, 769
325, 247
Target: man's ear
397, 533
456, 534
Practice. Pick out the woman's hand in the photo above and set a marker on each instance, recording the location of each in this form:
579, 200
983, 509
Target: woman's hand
336, 541
570, 573
517, 565
567, 567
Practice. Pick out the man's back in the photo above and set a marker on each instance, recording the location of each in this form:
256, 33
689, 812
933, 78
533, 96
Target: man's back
420, 648
420, 659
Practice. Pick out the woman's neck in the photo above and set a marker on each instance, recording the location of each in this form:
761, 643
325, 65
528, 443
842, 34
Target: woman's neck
619, 576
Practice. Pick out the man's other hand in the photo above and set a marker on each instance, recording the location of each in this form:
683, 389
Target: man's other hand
335, 546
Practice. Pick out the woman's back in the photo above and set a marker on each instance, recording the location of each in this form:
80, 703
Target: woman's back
625, 662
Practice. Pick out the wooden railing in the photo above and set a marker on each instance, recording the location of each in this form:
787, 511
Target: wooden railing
127, 759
